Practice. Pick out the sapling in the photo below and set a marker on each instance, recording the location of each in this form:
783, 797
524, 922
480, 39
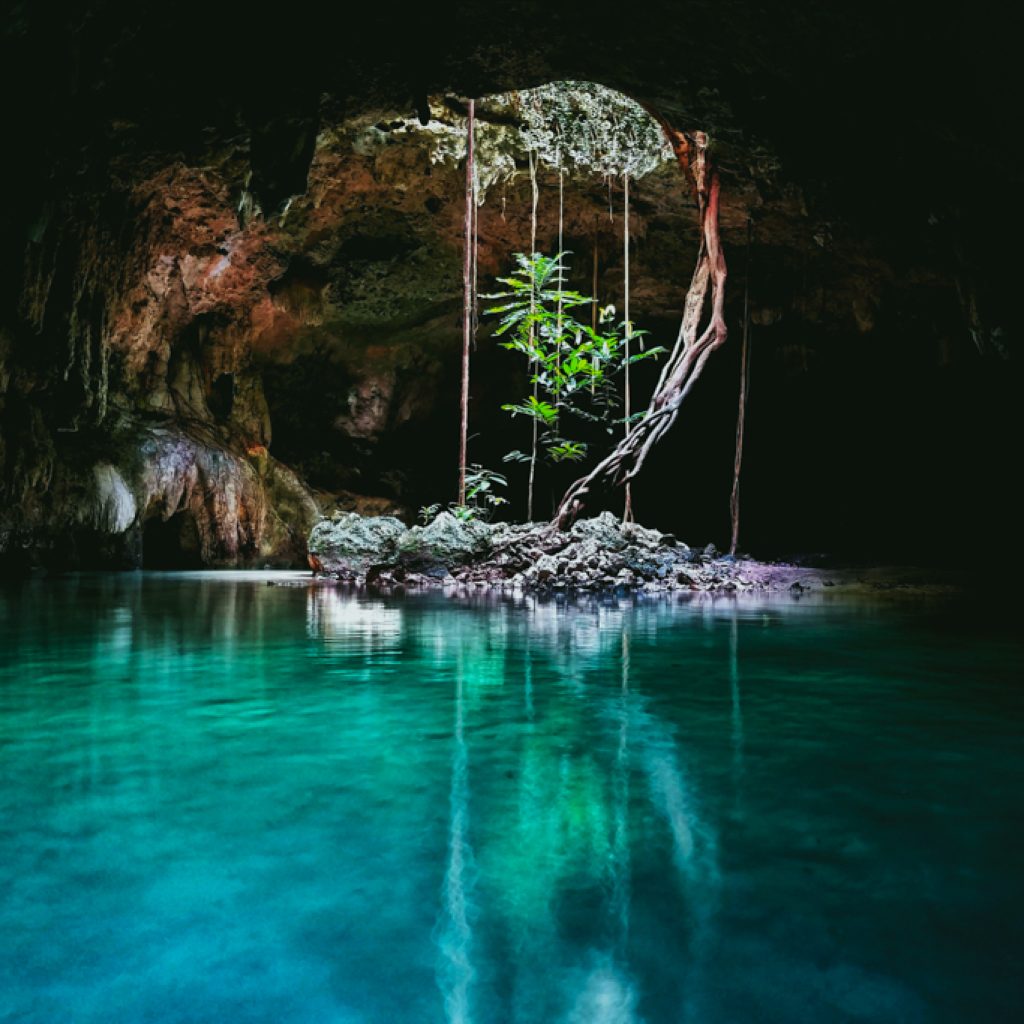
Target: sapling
573, 365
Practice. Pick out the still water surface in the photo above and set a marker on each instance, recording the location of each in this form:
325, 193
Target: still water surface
227, 802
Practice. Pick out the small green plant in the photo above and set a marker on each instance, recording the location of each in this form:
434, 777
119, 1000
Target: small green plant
574, 368
480, 485
481, 497
428, 513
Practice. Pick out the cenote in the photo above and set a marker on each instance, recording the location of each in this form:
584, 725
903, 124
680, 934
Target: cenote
226, 801
507, 514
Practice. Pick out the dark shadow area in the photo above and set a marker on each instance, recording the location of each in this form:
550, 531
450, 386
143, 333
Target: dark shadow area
172, 543
222, 397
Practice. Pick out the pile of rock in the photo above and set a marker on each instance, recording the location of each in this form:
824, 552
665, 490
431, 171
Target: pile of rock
596, 554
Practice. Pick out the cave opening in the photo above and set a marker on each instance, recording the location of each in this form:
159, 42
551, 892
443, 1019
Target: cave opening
172, 544
593, 766
367, 323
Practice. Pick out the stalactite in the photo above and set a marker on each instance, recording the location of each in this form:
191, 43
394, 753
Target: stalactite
691, 350
103, 378
40, 268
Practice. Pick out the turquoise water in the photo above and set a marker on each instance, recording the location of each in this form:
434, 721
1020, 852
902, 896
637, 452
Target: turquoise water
227, 802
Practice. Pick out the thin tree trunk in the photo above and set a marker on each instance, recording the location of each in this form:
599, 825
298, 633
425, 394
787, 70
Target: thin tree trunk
467, 310
691, 350
533, 251
627, 511
734, 499
476, 253
561, 225
558, 323
593, 292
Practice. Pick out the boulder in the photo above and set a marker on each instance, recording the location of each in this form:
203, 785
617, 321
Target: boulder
446, 542
604, 530
349, 545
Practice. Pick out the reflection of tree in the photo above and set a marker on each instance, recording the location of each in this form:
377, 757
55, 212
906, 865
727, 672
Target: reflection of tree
558, 837
455, 972
620, 786
568, 835
735, 697
608, 994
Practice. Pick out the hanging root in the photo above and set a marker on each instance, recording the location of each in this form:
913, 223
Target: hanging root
690, 352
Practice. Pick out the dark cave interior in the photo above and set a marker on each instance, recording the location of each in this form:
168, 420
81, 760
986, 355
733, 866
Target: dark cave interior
206, 279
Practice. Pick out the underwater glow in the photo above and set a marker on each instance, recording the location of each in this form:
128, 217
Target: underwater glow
227, 801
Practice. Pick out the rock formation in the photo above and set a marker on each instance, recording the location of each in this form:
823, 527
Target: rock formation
595, 554
230, 297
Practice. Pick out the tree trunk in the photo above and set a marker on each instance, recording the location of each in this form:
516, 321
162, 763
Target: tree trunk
691, 350
627, 511
741, 415
467, 310
533, 252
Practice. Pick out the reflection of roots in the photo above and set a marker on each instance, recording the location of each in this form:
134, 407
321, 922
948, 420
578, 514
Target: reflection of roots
695, 848
455, 972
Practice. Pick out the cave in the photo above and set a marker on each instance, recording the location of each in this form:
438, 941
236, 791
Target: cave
171, 544
595, 428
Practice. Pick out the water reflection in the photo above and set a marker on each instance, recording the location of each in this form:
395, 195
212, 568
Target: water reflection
469, 808
455, 972
736, 700
338, 617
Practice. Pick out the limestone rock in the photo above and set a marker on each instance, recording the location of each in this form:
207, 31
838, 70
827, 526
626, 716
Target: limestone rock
349, 545
603, 530
446, 542
112, 507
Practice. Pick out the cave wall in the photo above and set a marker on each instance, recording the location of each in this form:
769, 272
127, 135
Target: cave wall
234, 292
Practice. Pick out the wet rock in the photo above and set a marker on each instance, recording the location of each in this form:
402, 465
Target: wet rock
445, 543
112, 508
349, 545
596, 554
603, 530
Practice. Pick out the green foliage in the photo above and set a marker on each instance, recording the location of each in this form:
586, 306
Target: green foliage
568, 451
464, 513
480, 485
573, 366
481, 496
428, 513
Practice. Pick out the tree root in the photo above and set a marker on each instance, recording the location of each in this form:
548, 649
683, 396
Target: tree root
690, 352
